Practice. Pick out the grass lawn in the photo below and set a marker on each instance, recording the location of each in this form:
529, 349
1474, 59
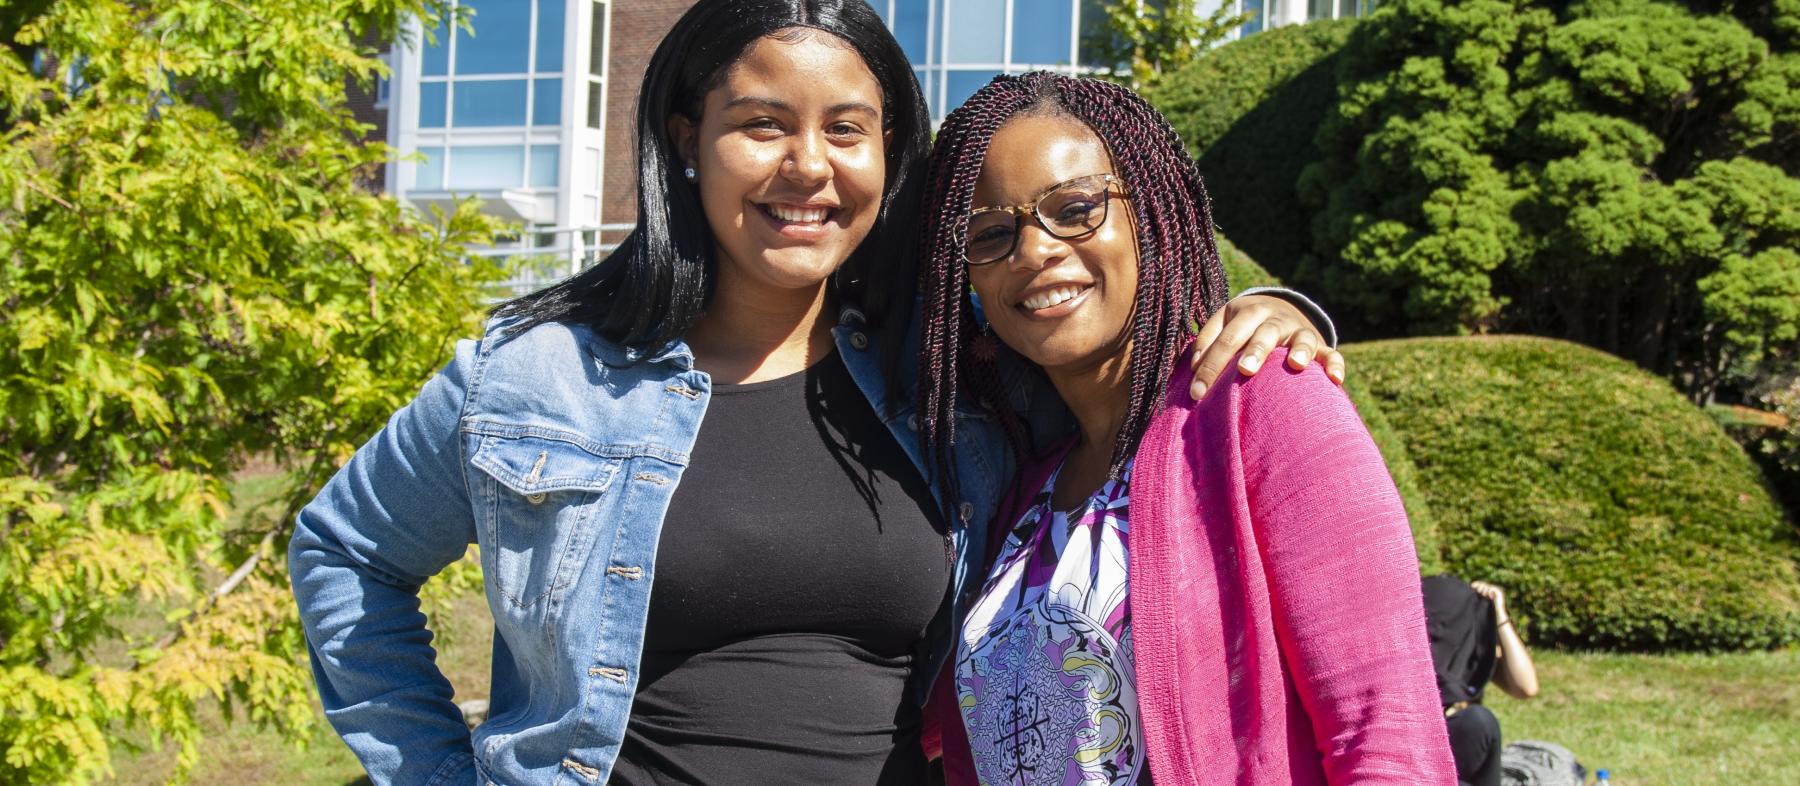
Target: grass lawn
1680, 720
1667, 719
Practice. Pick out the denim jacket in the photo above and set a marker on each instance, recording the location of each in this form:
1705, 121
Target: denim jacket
556, 451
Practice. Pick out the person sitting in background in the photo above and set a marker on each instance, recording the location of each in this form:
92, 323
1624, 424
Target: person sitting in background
1473, 640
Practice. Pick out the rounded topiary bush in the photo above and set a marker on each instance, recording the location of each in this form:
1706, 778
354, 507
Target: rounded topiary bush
1242, 272
1616, 513
1248, 111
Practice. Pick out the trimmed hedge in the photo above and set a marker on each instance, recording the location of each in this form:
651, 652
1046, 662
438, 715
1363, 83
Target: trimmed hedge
1242, 272
1617, 514
1248, 111
1427, 540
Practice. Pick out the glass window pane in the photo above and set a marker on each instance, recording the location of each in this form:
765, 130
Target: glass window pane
545, 167
435, 61
550, 34
977, 31
431, 104
1041, 33
546, 103
959, 85
501, 41
496, 166
1093, 26
597, 41
496, 103
911, 22
595, 109
590, 168
430, 172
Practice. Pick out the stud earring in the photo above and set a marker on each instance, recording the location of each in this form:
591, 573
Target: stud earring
691, 175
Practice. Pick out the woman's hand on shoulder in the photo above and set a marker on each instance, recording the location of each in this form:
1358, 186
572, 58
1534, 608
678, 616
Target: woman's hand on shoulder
1250, 327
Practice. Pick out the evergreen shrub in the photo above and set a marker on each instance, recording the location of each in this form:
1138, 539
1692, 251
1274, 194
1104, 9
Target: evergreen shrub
1616, 514
1248, 111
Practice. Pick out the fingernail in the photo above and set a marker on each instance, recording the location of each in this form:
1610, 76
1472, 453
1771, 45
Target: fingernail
1250, 364
1302, 358
1199, 390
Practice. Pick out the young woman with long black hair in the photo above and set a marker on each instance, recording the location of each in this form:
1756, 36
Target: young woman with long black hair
706, 409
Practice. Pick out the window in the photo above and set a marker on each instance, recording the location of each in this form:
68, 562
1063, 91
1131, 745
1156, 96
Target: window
1041, 33
597, 49
546, 107
489, 103
436, 61
484, 79
430, 171
544, 169
486, 166
596, 108
502, 38
384, 83
910, 24
432, 104
977, 31
959, 85
550, 35
1255, 9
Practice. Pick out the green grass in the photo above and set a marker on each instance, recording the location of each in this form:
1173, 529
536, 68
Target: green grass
1692, 720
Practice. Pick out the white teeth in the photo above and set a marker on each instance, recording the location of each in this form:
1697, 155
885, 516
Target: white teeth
794, 215
1054, 297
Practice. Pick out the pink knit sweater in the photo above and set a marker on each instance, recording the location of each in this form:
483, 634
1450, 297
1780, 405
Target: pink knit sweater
1277, 622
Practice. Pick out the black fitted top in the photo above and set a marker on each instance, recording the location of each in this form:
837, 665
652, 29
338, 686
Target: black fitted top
801, 559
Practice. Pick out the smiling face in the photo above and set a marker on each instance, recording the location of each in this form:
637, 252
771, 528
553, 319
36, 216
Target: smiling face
789, 153
1064, 304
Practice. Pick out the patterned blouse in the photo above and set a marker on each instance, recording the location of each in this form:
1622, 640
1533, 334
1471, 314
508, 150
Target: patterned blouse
1044, 672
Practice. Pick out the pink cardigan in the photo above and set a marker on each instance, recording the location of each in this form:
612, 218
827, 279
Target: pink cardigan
1276, 612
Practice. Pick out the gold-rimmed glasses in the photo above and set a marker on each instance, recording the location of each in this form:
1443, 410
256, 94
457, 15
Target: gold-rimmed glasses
1069, 210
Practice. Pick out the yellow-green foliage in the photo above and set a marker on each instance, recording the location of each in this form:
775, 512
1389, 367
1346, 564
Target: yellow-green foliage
182, 289
1617, 514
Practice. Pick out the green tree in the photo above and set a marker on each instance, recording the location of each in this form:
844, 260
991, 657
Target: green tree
1145, 39
1623, 173
195, 273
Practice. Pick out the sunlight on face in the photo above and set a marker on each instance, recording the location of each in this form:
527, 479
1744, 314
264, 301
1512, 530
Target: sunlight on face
1063, 303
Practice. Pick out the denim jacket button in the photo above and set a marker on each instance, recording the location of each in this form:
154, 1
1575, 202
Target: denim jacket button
535, 499
912, 422
967, 510
859, 340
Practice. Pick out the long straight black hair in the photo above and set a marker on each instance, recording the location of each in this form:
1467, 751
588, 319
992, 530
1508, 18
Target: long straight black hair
657, 284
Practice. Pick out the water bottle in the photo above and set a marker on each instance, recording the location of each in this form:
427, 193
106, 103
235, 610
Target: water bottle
1602, 778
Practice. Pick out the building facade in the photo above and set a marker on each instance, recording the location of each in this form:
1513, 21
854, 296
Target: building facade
535, 113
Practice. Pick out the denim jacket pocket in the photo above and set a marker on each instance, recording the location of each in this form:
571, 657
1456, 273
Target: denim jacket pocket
540, 497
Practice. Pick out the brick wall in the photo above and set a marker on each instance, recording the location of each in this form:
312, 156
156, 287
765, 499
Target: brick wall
637, 27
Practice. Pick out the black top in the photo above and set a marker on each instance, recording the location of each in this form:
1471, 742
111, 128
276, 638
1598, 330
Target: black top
1460, 625
801, 559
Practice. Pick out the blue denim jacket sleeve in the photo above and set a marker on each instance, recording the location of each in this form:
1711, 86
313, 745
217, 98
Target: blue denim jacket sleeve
395, 515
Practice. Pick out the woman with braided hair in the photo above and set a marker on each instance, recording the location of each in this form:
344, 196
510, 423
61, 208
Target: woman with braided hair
1220, 590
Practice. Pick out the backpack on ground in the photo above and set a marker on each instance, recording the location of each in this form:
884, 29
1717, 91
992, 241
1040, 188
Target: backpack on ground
1536, 763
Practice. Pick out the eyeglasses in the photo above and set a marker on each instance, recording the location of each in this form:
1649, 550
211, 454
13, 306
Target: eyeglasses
1069, 210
